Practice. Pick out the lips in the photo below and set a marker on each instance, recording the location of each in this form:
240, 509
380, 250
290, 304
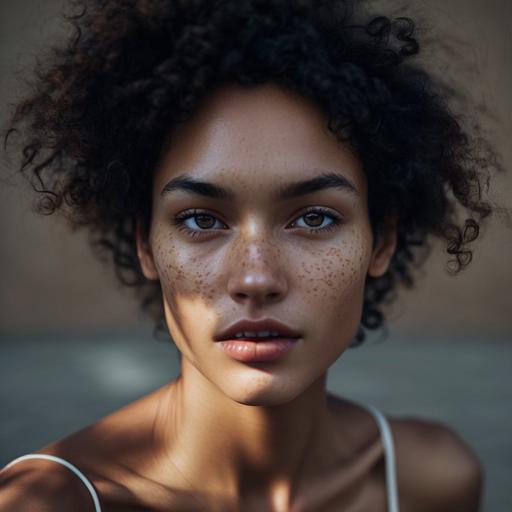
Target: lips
265, 324
258, 352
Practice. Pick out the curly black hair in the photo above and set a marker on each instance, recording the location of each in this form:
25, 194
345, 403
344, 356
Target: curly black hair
102, 106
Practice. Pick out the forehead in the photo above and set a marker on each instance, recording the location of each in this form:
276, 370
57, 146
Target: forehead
252, 137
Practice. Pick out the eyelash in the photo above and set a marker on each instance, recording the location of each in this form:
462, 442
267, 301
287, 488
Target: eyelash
180, 218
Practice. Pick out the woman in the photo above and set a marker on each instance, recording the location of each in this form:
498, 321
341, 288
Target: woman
265, 174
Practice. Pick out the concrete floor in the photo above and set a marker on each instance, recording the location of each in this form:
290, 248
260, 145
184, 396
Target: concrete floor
52, 388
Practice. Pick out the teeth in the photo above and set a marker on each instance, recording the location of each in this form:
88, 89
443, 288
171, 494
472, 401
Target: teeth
254, 334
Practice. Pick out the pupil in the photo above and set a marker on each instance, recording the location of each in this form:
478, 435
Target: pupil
318, 217
200, 218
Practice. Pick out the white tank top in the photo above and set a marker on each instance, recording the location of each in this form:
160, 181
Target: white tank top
385, 431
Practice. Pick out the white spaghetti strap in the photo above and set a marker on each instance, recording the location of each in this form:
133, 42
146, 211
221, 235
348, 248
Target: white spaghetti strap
387, 438
70, 466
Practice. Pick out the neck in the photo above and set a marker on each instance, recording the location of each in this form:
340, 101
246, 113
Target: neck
243, 451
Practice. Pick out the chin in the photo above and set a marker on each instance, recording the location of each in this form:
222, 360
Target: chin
264, 390
264, 400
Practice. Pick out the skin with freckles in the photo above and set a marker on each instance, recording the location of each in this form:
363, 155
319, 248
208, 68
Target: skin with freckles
229, 436
250, 262
253, 257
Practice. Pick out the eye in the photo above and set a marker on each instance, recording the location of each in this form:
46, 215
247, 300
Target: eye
314, 219
201, 219
197, 223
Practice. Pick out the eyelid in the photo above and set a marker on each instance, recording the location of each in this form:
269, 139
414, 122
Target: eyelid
193, 212
181, 217
190, 212
318, 209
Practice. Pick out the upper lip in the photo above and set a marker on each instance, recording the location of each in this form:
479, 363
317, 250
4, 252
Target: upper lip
265, 324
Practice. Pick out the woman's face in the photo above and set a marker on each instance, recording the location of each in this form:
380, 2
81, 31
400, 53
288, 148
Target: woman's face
301, 259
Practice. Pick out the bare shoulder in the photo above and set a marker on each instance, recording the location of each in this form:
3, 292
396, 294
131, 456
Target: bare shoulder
437, 471
42, 485
107, 452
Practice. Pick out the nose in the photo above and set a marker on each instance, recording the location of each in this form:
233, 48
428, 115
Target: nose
256, 276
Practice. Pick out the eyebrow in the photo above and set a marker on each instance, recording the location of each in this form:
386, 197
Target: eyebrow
326, 180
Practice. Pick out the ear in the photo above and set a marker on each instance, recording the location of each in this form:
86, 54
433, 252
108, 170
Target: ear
384, 249
145, 254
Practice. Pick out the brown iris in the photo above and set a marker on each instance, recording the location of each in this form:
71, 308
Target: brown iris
201, 218
316, 216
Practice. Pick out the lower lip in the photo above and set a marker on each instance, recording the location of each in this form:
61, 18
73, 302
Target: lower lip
254, 351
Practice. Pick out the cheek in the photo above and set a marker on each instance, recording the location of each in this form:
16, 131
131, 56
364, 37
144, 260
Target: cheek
333, 292
188, 290
181, 272
337, 273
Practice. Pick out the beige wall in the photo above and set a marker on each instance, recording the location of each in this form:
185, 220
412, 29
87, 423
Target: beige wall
51, 282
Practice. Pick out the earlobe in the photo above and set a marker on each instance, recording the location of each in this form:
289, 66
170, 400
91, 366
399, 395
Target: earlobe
383, 250
145, 254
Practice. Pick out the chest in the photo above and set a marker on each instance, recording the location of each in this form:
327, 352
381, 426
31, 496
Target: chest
339, 492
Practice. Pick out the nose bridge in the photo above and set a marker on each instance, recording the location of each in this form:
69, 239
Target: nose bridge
257, 253
256, 266
255, 244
